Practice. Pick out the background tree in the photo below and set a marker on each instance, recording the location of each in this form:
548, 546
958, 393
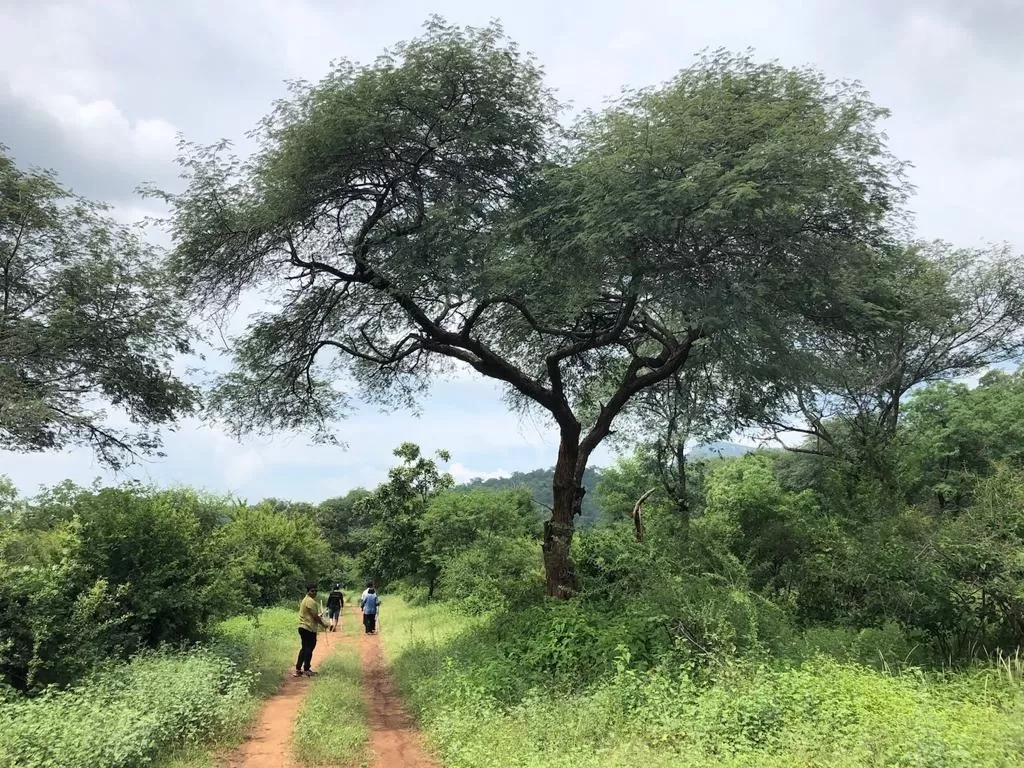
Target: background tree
456, 520
423, 212
87, 319
483, 545
959, 312
345, 521
954, 435
273, 554
396, 543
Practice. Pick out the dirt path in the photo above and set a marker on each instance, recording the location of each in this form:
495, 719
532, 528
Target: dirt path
269, 744
394, 740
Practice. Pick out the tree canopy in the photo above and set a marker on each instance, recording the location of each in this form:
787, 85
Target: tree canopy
427, 210
87, 320
957, 311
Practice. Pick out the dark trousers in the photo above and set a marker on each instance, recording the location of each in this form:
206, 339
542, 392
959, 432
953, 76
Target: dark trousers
369, 621
306, 651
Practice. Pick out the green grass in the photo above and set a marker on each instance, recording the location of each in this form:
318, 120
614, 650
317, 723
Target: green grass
173, 709
264, 647
331, 728
770, 714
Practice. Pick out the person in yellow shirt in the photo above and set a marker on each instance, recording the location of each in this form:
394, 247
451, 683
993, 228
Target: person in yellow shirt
309, 620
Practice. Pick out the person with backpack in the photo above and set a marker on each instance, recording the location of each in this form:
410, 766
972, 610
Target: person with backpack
309, 620
370, 603
335, 601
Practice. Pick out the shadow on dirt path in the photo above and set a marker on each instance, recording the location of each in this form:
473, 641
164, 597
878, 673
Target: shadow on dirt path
394, 740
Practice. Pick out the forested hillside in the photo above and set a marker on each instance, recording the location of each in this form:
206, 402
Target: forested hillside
538, 482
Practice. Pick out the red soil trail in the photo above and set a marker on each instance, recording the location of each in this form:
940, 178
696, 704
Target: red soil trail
394, 740
269, 743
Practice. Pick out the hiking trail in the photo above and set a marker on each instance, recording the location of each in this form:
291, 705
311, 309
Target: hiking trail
269, 744
394, 740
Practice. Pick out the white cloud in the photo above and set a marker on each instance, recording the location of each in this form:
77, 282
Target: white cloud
463, 474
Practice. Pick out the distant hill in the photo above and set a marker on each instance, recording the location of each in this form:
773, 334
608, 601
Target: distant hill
723, 449
538, 481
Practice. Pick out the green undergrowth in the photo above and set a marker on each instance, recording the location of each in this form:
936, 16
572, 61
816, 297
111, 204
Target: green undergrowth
331, 728
478, 688
168, 708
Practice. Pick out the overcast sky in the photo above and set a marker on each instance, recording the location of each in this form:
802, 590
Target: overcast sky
99, 89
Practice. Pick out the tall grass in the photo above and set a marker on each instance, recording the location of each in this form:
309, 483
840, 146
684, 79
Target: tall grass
160, 707
768, 713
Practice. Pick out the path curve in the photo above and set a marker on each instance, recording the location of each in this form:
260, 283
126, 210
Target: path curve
269, 742
394, 740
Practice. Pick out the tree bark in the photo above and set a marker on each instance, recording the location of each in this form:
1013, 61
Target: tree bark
681, 494
560, 574
638, 520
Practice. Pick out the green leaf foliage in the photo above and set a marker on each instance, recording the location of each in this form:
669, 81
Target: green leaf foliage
92, 575
88, 320
426, 212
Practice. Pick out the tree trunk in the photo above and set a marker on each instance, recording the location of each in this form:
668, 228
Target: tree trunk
568, 493
638, 520
682, 496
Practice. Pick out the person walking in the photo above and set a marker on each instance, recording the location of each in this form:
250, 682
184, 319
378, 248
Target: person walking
309, 620
335, 601
370, 603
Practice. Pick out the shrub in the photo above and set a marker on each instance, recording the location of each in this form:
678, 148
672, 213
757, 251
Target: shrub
86, 575
493, 574
750, 713
131, 713
125, 717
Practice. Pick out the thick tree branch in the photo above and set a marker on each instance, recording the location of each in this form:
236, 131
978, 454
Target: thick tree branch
631, 383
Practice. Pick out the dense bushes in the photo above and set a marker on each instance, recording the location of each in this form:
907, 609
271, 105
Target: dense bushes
918, 533
125, 717
482, 706
86, 575
129, 714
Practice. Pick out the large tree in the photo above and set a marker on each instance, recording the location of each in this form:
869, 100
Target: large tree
87, 320
426, 211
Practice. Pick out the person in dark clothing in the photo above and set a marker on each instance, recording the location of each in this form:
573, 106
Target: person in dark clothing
309, 620
370, 603
335, 600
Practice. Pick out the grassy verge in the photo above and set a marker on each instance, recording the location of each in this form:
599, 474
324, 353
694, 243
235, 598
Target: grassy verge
331, 728
265, 647
169, 706
465, 687
261, 648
